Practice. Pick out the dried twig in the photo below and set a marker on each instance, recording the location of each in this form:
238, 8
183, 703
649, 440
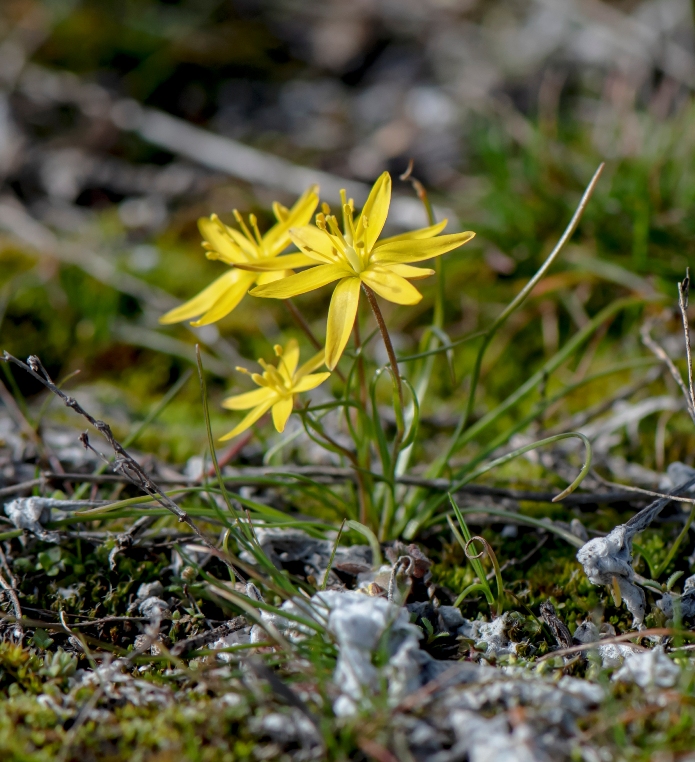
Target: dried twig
126, 539
9, 586
683, 292
124, 462
259, 476
559, 629
641, 491
649, 342
617, 639
196, 642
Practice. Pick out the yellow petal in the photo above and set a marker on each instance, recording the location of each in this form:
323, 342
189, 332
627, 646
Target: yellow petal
309, 382
281, 412
315, 243
229, 299
251, 248
391, 287
250, 419
288, 262
311, 365
215, 234
429, 232
405, 271
203, 301
280, 211
417, 250
341, 318
248, 399
287, 364
316, 277
271, 277
277, 238
375, 211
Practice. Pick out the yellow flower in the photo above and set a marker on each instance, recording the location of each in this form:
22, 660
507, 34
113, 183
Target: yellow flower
278, 385
234, 248
354, 257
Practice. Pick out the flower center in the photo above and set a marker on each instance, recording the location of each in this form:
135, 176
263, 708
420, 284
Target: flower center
353, 258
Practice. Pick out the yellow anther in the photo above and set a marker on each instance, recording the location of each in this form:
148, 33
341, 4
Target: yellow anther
325, 208
254, 225
278, 350
241, 370
242, 225
258, 379
212, 254
321, 221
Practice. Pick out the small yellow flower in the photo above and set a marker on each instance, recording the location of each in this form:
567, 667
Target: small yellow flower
234, 248
278, 385
354, 257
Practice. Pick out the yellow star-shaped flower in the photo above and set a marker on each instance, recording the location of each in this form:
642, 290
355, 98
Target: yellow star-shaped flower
234, 248
356, 256
278, 386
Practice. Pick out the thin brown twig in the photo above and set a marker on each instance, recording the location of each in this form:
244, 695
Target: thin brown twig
123, 462
12, 595
259, 477
649, 342
683, 293
640, 491
617, 639
23, 486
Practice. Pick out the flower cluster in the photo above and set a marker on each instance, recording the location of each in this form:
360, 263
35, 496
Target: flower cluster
350, 254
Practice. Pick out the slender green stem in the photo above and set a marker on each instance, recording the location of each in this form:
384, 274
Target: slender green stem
432, 506
371, 296
360, 361
332, 558
301, 322
542, 374
520, 299
661, 568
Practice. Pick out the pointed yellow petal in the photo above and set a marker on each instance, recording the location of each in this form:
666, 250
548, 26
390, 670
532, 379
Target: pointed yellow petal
250, 419
429, 232
315, 243
280, 211
391, 287
309, 382
281, 412
203, 301
417, 250
288, 262
304, 207
341, 318
316, 277
271, 277
250, 248
311, 365
215, 234
375, 211
405, 271
229, 299
248, 399
287, 364
277, 238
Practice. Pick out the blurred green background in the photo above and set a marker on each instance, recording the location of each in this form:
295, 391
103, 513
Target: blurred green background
505, 107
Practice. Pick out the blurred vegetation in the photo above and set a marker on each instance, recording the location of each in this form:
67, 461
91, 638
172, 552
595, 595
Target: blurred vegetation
510, 166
